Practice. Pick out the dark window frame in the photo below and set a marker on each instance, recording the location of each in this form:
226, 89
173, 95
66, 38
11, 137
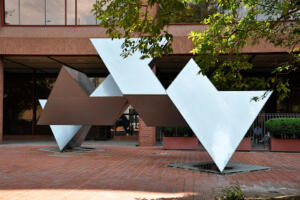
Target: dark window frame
2, 9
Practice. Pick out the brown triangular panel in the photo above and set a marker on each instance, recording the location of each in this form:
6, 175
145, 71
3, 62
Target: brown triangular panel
69, 103
67, 85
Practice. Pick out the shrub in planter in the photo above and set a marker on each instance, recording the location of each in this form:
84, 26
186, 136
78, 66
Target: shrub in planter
185, 131
168, 131
177, 131
287, 126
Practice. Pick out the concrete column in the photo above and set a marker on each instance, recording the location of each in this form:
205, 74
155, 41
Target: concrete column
146, 134
1, 98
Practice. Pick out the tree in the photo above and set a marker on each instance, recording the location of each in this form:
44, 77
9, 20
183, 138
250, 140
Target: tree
231, 26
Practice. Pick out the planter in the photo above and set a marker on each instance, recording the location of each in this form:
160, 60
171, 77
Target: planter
126, 138
245, 145
28, 137
191, 143
180, 143
286, 145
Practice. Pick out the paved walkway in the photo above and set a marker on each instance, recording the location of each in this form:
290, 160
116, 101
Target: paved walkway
135, 173
91, 143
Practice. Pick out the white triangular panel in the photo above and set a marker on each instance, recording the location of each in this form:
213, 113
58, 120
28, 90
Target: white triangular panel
219, 119
132, 74
108, 88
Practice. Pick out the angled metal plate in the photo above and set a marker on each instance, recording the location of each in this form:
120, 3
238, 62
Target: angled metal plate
132, 74
81, 79
219, 119
156, 110
87, 111
138, 84
67, 85
64, 134
79, 137
108, 88
69, 101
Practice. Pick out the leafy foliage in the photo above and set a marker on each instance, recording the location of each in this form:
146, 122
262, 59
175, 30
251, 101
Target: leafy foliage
232, 192
194, 12
244, 23
289, 126
134, 18
231, 26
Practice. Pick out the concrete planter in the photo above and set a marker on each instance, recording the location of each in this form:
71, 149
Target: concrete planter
126, 138
180, 143
245, 145
285, 145
28, 137
191, 143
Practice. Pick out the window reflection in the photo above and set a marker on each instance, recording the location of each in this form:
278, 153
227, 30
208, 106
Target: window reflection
49, 12
71, 12
84, 14
12, 12
55, 12
18, 103
32, 12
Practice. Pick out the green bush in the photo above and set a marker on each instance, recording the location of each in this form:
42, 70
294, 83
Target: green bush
288, 126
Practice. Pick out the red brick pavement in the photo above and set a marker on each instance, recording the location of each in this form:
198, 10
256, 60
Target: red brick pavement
135, 173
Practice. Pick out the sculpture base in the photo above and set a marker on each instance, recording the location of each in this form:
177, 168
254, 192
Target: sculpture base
73, 149
70, 151
210, 167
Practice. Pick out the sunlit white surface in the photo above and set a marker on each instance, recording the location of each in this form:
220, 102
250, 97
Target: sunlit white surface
137, 83
220, 120
62, 133
108, 88
132, 75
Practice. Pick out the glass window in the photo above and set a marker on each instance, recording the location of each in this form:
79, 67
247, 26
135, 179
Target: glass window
12, 12
18, 103
55, 12
84, 14
32, 12
71, 12
49, 12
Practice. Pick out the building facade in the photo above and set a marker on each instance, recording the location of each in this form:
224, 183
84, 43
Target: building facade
37, 37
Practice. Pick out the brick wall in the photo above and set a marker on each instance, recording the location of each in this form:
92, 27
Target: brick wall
146, 134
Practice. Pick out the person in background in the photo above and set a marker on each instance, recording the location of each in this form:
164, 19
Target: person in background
257, 133
265, 140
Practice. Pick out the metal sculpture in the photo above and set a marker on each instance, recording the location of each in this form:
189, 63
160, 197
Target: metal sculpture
67, 136
74, 105
220, 119
74, 100
138, 84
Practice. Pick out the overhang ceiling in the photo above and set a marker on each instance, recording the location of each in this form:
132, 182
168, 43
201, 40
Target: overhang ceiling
93, 64
52, 64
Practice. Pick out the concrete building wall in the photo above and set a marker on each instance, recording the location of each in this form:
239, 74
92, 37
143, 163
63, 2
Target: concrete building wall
23, 40
146, 134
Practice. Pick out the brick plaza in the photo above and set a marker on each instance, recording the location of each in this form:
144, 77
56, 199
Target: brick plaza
126, 172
